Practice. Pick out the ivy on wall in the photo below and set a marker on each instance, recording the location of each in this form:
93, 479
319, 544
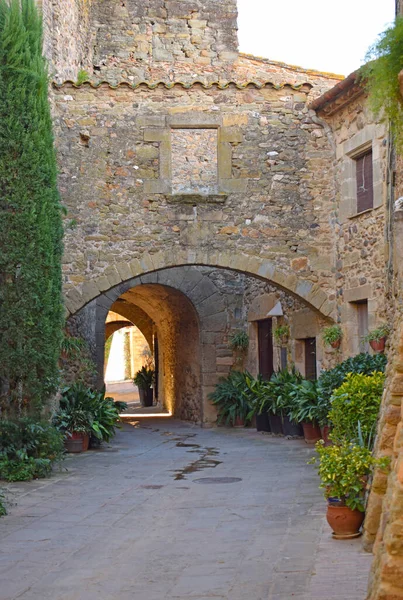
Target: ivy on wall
31, 312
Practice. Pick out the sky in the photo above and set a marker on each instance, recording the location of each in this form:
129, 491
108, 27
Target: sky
314, 34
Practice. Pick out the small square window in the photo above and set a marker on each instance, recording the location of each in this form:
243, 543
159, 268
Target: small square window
364, 181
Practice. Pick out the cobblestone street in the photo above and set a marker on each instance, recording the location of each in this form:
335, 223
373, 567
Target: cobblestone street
147, 519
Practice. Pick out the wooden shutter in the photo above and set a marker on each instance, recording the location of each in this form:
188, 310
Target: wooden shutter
265, 341
364, 178
310, 359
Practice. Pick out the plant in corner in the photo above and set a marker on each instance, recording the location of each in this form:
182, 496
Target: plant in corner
343, 470
355, 407
332, 336
233, 399
377, 338
144, 379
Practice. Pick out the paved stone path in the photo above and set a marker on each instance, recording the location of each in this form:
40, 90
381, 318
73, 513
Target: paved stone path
133, 523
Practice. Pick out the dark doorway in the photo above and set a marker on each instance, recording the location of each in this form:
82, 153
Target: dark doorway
310, 359
265, 342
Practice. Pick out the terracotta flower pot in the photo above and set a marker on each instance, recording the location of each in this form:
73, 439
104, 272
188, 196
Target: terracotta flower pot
239, 422
378, 345
325, 430
344, 521
312, 432
336, 344
77, 442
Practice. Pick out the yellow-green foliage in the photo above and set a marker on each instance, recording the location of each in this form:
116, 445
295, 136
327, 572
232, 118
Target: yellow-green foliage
381, 77
343, 471
355, 407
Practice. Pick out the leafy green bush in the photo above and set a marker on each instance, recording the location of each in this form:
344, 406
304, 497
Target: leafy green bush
343, 470
304, 402
31, 315
355, 407
233, 398
333, 378
28, 449
89, 411
239, 341
380, 75
3, 510
144, 378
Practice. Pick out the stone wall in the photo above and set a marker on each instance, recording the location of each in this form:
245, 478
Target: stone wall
67, 37
274, 198
129, 37
362, 243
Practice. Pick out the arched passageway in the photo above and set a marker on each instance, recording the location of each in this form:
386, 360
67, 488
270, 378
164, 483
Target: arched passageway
192, 311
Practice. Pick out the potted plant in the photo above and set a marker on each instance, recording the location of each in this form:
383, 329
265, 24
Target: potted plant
304, 409
281, 385
257, 387
74, 417
239, 343
377, 338
344, 470
281, 334
332, 336
355, 407
233, 399
144, 379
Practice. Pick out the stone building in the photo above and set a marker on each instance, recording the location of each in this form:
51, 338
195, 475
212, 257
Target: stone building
213, 191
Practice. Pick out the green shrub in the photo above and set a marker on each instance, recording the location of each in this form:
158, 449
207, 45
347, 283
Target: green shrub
343, 470
304, 402
233, 398
380, 75
3, 510
355, 407
28, 449
333, 378
83, 409
31, 315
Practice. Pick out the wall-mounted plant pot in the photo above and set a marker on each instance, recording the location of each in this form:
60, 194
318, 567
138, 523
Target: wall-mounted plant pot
146, 396
77, 442
262, 422
292, 429
378, 345
276, 424
312, 432
345, 522
336, 344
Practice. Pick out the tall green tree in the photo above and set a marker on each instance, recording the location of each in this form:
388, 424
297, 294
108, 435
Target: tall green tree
31, 312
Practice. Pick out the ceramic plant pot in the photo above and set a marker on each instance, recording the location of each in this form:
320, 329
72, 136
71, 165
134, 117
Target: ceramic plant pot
276, 424
345, 522
336, 344
312, 432
239, 422
378, 345
291, 429
77, 442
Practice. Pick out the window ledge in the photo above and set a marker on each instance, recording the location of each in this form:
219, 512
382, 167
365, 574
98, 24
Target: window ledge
197, 198
364, 212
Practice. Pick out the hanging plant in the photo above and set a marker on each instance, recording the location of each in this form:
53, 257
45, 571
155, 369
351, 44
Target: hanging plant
332, 336
239, 341
281, 334
381, 78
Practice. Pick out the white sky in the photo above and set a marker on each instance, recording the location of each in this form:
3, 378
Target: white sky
315, 34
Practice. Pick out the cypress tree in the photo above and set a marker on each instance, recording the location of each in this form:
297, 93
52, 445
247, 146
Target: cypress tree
31, 312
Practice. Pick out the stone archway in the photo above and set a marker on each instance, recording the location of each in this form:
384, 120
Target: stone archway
118, 277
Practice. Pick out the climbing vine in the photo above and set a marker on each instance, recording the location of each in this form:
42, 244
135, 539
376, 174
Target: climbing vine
31, 312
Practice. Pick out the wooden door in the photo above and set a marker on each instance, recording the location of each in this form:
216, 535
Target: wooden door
265, 343
310, 358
